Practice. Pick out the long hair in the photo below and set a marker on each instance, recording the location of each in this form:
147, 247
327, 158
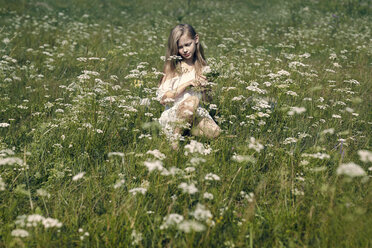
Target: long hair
172, 61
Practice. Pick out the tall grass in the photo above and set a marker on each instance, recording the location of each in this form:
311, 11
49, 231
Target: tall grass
79, 132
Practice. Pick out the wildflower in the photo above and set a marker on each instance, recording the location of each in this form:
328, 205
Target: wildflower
171, 220
21, 233
78, 176
350, 169
120, 154
255, 145
34, 219
201, 213
4, 124
365, 156
188, 188
229, 244
50, 222
283, 73
188, 226
212, 177
208, 196
195, 146
154, 165
289, 140
43, 193
296, 191
157, 154
296, 110
189, 169
243, 158
291, 93
119, 183
330, 131
196, 160
2, 184
134, 191
213, 107
316, 155
304, 162
6, 40
249, 197
136, 237
11, 161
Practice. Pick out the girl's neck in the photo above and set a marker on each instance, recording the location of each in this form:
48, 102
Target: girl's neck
187, 66
188, 62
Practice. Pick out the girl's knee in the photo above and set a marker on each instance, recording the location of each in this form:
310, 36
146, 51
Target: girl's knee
209, 128
192, 101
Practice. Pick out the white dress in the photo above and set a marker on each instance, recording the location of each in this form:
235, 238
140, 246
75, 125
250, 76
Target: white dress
168, 118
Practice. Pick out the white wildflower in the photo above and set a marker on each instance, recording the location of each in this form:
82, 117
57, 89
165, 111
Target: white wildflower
350, 169
195, 146
201, 213
189, 169
111, 154
296, 191
212, 177
249, 197
195, 160
243, 158
50, 222
291, 93
208, 196
134, 191
188, 226
255, 145
283, 73
21, 233
154, 165
78, 176
296, 110
11, 161
171, 220
119, 183
330, 131
4, 124
2, 184
365, 156
289, 140
136, 237
43, 193
188, 188
157, 154
34, 219
316, 155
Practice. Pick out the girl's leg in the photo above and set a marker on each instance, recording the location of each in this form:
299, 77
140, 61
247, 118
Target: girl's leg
207, 128
185, 113
187, 108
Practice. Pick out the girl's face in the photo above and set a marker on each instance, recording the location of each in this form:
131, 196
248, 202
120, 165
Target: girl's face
187, 46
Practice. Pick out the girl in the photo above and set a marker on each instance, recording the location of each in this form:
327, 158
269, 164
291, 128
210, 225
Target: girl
183, 70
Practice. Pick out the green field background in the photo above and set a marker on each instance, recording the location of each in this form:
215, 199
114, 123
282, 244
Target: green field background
78, 82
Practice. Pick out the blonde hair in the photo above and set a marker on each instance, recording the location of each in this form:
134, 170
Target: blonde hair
171, 62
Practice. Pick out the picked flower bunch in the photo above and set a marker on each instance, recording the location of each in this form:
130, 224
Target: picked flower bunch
205, 83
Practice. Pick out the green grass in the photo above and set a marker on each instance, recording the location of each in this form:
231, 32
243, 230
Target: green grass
60, 125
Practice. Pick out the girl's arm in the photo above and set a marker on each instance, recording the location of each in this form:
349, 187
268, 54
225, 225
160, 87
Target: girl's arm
172, 94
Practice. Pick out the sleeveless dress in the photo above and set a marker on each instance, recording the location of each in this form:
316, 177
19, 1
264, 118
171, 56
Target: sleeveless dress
168, 119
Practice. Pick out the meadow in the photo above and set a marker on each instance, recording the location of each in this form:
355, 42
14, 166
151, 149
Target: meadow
84, 163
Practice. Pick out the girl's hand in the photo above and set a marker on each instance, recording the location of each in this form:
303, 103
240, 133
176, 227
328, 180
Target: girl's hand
194, 83
168, 97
